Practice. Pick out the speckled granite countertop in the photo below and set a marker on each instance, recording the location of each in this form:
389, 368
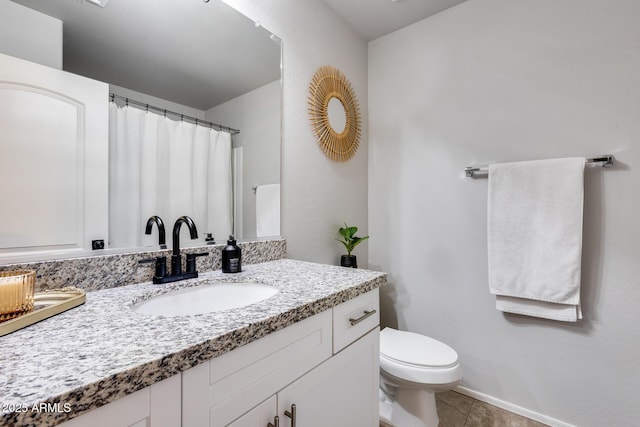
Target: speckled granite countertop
101, 351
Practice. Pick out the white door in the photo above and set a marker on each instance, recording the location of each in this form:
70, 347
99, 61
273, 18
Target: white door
53, 159
341, 392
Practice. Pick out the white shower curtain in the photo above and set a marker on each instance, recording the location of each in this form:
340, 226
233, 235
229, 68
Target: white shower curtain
159, 166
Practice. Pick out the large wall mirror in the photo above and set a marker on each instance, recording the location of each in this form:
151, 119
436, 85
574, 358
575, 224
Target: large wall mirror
202, 60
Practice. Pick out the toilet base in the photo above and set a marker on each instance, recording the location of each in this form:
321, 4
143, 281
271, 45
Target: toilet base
408, 408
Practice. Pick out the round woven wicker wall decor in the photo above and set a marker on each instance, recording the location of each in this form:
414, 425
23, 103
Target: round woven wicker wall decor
329, 83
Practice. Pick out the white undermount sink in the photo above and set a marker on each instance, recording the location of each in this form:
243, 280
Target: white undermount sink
206, 299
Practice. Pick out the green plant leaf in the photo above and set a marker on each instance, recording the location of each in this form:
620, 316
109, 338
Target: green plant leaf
350, 241
358, 240
347, 245
344, 232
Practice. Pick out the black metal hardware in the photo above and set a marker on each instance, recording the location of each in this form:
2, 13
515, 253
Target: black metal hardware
162, 240
209, 239
172, 278
97, 244
176, 259
191, 261
161, 267
216, 126
161, 275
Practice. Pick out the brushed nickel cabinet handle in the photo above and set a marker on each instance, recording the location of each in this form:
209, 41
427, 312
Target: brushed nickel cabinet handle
276, 422
361, 318
292, 415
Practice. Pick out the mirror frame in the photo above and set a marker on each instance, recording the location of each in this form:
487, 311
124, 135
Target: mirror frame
329, 83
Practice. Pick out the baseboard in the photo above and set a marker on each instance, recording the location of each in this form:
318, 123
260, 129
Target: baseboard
511, 407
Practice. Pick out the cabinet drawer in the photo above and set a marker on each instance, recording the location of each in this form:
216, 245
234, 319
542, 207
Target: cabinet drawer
217, 392
354, 318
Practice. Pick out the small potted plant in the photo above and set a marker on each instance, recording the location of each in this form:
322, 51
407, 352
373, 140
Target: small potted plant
350, 241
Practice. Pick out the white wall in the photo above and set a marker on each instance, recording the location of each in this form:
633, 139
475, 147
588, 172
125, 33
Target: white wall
258, 115
18, 39
318, 194
499, 80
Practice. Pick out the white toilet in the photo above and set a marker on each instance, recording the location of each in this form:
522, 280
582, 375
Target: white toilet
412, 368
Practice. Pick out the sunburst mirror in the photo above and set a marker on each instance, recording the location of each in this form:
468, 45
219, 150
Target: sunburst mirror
334, 113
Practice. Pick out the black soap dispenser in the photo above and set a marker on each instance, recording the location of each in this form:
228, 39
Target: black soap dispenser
231, 257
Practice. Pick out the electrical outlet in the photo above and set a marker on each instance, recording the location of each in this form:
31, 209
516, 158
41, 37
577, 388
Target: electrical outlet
97, 244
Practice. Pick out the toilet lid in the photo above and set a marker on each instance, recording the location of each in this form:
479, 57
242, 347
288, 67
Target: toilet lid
415, 349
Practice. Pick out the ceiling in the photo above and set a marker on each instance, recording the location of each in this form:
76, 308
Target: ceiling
186, 51
142, 44
375, 18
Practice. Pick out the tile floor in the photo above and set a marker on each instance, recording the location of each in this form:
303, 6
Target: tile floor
458, 410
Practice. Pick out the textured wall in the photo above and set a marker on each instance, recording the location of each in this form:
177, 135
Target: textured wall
499, 80
258, 116
318, 194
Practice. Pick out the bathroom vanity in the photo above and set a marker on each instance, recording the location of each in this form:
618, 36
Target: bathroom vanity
309, 353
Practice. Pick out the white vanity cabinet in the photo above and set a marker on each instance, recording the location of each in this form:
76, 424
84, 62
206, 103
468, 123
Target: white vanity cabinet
156, 406
321, 371
261, 415
341, 392
324, 365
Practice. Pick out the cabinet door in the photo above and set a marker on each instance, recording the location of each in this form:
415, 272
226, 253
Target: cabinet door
343, 391
217, 392
53, 159
259, 416
155, 406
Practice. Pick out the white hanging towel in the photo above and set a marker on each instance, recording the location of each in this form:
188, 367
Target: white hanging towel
535, 237
268, 210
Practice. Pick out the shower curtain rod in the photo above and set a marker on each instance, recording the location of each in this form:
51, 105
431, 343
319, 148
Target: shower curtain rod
606, 160
113, 97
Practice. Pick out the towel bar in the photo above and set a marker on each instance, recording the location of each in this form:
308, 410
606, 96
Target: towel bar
606, 160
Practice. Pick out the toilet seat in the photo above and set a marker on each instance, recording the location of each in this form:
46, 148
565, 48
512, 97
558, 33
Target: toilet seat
417, 358
416, 350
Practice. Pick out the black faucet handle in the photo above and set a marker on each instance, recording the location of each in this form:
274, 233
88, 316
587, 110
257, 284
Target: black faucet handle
191, 261
161, 266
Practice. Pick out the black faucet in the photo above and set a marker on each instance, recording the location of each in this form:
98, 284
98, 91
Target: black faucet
162, 241
176, 259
